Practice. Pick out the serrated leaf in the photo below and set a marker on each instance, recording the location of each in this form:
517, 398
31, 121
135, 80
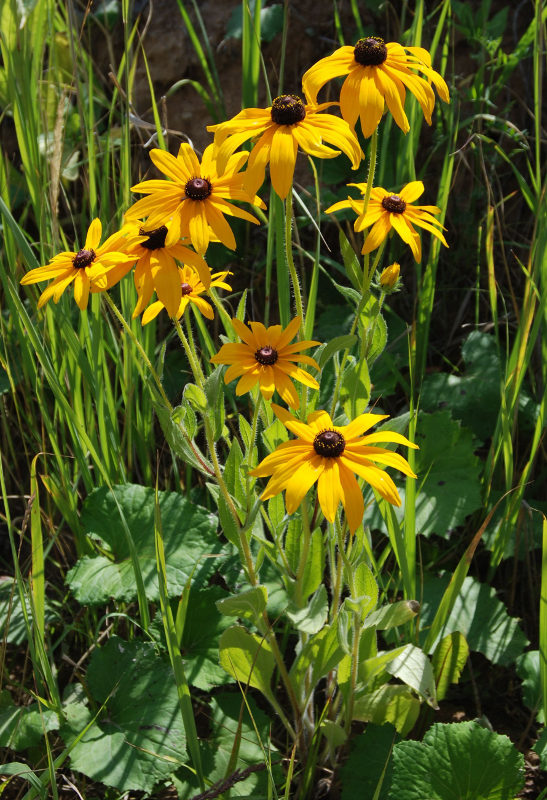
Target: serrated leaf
191, 545
248, 658
479, 616
459, 761
448, 661
138, 738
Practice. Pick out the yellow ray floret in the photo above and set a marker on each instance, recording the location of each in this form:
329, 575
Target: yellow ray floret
378, 74
190, 288
387, 210
265, 356
87, 268
332, 455
196, 198
278, 131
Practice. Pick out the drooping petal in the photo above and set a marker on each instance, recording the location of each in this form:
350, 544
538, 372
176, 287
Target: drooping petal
377, 233
301, 481
352, 498
282, 160
329, 489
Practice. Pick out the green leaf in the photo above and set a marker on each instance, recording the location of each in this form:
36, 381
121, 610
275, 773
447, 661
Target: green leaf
479, 616
248, 605
24, 726
412, 666
178, 428
448, 661
369, 764
196, 397
311, 618
12, 620
248, 658
214, 392
138, 738
355, 389
392, 615
394, 704
374, 329
460, 761
190, 541
326, 351
448, 474
354, 270
528, 670
271, 21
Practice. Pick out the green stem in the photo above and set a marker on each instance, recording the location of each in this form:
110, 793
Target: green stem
290, 261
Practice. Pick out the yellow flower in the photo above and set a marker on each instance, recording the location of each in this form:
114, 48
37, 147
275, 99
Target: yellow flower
285, 125
155, 251
386, 211
190, 287
332, 455
196, 197
377, 72
87, 268
265, 356
390, 276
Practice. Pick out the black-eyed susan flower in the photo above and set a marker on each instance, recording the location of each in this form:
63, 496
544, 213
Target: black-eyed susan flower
157, 251
377, 73
332, 455
196, 197
87, 268
282, 127
191, 288
387, 210
265, 356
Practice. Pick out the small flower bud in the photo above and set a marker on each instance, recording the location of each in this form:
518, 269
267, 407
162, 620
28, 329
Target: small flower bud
389, 277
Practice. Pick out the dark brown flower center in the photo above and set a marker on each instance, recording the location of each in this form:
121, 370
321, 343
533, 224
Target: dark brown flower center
288, 109
370, 52
329, 444
394, 203
83, 258
185, 289
266, 356
198, 189
156, 238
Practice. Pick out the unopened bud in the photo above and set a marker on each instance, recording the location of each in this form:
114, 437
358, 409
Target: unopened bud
390, 276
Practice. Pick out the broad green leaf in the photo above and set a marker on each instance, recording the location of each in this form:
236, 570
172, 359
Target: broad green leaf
203, 627
364, 590
249, 604
448, 474
322, 652
248, 658
369, 764
138, 738
195, 396
373, 329
314, 566
335, 345
370, 668
460, 761
355, 389
354, 270
178, 429
214, 392
191, 544
394, 704
311, 618
12, 620
392, 615
24, 726
479, 616
412, 666
448, 661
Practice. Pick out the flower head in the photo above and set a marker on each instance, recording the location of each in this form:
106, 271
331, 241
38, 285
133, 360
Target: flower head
190, 287
265, 356
196, 197
377, 73
87, 268
282, 127
332, 455
387, 210
156, 251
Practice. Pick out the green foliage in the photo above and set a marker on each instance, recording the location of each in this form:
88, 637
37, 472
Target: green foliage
191, 544
135, 737
448, 661
461, 761
248, 658
479, 616
24, 727
369, 765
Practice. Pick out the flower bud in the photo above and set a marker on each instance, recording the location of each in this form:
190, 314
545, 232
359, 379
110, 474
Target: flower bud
389, 277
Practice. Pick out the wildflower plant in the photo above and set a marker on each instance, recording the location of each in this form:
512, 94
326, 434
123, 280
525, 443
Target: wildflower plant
313, 541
